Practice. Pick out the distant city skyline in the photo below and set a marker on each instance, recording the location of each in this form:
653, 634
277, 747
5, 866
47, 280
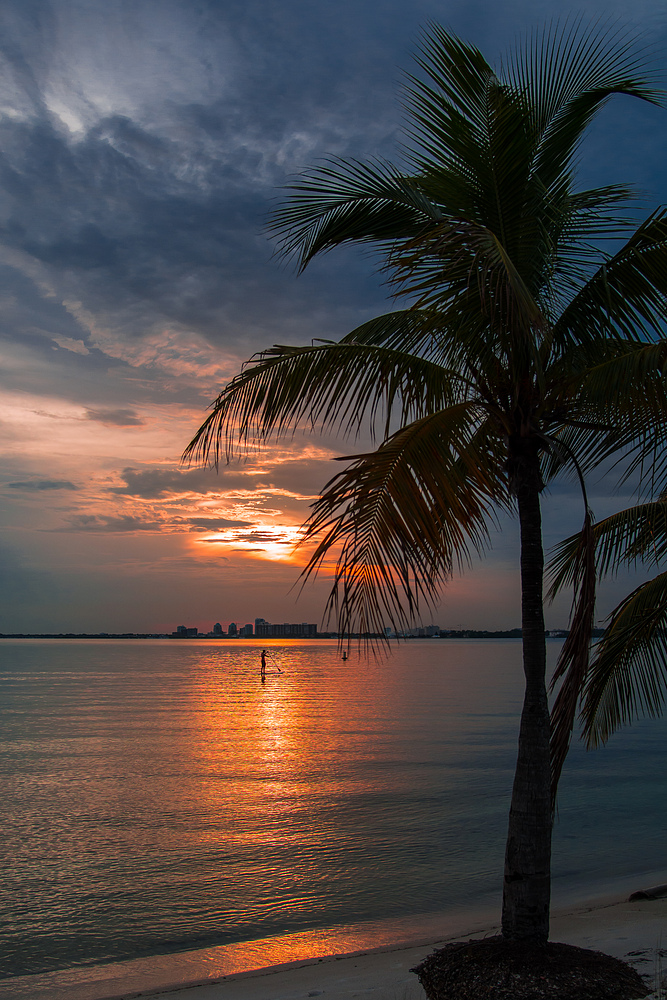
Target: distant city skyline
287, 630
260, 629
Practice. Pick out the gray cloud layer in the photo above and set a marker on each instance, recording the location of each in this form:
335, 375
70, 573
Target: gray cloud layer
41, 485
118, 418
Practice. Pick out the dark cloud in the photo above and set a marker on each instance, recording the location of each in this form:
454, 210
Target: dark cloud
152, 484
42, 485
159, 216
161, 521
305, 475
215, 524
101, 523
119, 418
155, 211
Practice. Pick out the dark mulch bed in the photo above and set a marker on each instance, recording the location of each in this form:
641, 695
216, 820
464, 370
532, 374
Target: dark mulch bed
494, 969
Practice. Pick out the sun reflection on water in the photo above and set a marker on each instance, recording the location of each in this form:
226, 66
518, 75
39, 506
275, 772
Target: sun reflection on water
164, 799
261, 743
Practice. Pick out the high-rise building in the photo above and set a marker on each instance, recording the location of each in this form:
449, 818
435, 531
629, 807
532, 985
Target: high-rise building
217, 629
232, 630
266, 630
183, 632
246, 631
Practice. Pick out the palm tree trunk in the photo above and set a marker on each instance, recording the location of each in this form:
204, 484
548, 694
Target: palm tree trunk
526, 890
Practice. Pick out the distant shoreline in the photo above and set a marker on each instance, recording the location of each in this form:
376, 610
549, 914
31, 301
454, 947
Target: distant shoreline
514, 633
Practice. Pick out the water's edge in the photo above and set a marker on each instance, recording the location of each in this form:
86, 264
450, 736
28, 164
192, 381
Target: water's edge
242, 959
210, 965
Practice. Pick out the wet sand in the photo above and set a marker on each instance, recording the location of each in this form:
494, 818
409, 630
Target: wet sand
356, 963
633, 931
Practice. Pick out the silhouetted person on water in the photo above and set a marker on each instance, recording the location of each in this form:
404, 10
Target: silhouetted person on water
262, 672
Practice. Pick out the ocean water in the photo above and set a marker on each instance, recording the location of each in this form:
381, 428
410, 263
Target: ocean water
158, 798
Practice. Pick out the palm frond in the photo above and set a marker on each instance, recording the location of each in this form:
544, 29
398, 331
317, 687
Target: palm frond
568, 73
453, 94
614, 404
347, 201
464, 264
628, 675
572, 666
627, 296
584, 223
402, 518
367, 375
622, 539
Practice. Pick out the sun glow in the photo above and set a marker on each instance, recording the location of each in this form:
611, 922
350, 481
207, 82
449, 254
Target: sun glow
274, 542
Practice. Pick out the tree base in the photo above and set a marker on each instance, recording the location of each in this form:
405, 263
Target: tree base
495, 969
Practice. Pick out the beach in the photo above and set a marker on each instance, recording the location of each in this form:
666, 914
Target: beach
635, 931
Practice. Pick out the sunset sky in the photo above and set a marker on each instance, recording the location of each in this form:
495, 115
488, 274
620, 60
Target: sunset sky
143, 143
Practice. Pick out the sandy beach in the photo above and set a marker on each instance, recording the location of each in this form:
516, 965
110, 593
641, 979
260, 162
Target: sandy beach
279, 969
634, 931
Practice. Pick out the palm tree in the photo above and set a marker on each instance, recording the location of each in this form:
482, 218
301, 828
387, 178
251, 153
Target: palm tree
495, 376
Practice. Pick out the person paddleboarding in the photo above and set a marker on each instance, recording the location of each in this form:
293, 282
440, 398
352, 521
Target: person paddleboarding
262, 672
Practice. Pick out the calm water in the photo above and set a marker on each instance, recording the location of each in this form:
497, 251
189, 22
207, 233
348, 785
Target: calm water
158, 798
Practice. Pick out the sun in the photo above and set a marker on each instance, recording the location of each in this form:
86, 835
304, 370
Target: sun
270, 541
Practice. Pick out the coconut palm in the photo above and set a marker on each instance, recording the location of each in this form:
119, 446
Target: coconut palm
504, 368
